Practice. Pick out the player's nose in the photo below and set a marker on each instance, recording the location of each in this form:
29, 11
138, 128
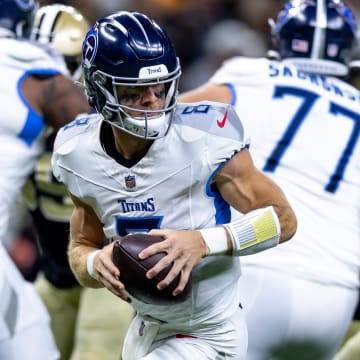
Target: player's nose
149, 95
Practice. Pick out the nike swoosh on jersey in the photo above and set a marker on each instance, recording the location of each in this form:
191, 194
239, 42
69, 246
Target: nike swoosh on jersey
221, 123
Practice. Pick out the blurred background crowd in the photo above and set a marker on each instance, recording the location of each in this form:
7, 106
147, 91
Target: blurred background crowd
204, 32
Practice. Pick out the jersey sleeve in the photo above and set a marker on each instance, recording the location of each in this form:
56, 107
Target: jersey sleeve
68, 149
237, 67
32, 57
214, 118
219, 124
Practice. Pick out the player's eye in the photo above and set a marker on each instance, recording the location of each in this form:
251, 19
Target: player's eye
160, 93
128, 97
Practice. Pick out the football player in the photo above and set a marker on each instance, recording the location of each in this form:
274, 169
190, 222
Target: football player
35, 91
146, 163
304, 121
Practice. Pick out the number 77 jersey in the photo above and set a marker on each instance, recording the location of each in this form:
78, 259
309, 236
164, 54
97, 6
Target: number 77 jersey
304, 131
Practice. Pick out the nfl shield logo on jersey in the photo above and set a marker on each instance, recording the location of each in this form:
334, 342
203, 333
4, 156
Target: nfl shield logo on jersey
130, 181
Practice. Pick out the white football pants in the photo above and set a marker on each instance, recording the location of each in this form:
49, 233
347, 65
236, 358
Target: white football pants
24, 322
290, 318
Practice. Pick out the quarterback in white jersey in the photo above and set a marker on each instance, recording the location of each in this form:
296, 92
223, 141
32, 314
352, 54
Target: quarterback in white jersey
304, 128
175, 195
145, 163
35, 91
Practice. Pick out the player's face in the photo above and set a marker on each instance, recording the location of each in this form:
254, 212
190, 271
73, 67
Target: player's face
142, 97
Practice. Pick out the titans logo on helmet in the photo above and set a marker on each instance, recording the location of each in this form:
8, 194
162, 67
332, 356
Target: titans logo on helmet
90, 46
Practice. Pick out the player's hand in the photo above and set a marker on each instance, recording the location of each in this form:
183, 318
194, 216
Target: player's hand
107, 273
184, 248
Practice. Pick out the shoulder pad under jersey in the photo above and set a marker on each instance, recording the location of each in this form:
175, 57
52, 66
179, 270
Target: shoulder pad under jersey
239, 66
212, 117
29, 56
69, 135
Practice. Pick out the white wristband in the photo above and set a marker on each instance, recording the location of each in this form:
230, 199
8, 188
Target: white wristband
90, 263
255, 231
216, 240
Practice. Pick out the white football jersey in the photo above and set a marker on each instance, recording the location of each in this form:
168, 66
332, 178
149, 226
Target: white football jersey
168, 188
304, 133
21, 128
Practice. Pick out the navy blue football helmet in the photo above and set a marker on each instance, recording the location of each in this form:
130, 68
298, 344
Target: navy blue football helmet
316, 35
129, 49
16, 16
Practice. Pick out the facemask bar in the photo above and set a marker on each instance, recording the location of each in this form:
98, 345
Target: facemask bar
146, 125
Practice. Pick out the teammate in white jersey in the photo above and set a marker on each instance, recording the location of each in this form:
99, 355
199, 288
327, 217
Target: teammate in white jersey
34, 90
128, 169
305, 123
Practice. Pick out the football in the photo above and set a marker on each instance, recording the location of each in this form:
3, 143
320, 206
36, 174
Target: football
133, 271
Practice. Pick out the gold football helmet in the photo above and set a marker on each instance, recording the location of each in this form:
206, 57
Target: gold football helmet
64, 28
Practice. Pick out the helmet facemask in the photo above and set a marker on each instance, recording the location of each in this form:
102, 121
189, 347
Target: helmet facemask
149, 124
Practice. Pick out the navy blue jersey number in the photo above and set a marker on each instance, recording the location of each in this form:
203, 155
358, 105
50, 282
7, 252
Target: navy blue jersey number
127, 225
309, 99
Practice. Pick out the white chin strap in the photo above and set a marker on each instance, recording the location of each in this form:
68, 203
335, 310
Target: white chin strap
150, 128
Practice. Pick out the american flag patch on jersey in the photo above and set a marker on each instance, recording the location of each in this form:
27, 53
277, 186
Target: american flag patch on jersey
130, 181
300, 45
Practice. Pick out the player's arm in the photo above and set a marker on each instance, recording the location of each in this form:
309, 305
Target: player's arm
56, 97
86, 243
207, 91
86, 236
269, 218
